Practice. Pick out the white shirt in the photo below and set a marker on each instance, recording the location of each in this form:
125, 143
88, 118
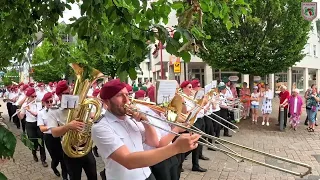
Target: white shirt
43, 118
109, 134
228, 93
22, 96
255, 95
223, 99
160, 133
33, 107
56, 117
13, 95
216, 102
40, 95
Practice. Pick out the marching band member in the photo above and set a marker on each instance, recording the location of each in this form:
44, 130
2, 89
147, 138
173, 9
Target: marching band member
216, 110
91, 90
22, 98
167, 169
40, 93
53, 144
120, 140
59, 128
30, 110
50, 87
9, 103
200, 124
224, 106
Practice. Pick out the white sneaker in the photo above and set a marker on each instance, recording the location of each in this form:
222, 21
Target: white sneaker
262, 123
267, 123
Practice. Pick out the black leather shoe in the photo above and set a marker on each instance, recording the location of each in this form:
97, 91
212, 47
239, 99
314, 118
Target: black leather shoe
44, 164
182, 170
199, 169
35, 158
211, 149
56, 172
316, 124
227, 135
204, 158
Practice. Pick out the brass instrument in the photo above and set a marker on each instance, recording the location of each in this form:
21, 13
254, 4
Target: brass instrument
20, 109
77, 144
231, 152
197, 105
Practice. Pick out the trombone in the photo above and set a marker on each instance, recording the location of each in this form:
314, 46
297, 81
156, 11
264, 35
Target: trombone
230, 153
196, 102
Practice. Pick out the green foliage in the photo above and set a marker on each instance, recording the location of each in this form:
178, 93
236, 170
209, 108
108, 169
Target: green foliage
133, 21
10, 76
318, 26
7, 143
269, 40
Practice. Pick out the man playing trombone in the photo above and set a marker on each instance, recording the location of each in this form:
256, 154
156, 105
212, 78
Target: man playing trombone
120, 140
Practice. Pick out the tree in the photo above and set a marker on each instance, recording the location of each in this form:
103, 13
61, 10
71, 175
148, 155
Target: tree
318, 26
10, 76
20, 20
269, 40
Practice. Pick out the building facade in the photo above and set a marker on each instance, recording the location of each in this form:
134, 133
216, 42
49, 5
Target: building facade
160, 65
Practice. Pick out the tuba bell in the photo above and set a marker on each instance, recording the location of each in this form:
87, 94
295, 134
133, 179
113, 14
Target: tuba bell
78, 144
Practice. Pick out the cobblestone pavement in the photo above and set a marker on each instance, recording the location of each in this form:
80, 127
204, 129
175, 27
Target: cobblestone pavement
298, 145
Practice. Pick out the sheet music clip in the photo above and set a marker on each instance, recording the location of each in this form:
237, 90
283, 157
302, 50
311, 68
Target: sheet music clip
165, 99
69, 101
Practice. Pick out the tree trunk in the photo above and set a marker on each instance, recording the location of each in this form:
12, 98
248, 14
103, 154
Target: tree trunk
251, 82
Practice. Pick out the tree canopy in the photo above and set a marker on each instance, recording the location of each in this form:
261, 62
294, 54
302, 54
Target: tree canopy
269, 40
138, 22
12, 75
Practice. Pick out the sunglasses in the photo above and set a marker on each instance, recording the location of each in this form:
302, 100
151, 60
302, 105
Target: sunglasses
189, 87
34, 96
49, 101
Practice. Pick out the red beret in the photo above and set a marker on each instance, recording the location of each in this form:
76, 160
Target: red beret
24, 87
30, 91
96, 92
21, 84
40, 84
31, 84
151, 94
47, 96
139, 94
195, 83
111, 88
61, 86
129, 88
50, 84
185, 84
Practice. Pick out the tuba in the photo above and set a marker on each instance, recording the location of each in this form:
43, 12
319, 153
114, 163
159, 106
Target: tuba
77, 144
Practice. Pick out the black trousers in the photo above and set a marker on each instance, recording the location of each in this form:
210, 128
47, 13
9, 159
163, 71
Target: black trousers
224, 114
9, 108
34, 134
285, 118
167, 169
54, 147
151, 177
216, 126
196, 153
75, 166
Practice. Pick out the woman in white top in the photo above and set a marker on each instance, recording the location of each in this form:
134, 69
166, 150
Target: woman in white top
53, 144
255, 104
30, 109
266, 104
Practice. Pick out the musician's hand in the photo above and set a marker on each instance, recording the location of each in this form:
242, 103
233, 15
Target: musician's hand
139, 117
76, 125
186, 142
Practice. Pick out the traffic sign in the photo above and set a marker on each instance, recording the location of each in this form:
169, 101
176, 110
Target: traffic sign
177, 67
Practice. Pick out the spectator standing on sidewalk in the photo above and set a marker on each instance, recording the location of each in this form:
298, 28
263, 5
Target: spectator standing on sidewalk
266, 109
295, 104
312, 104
284, 98
306, 94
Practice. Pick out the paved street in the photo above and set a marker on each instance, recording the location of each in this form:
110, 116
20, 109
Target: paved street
297, 145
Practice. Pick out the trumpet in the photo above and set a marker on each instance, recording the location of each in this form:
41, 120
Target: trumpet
231, 152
